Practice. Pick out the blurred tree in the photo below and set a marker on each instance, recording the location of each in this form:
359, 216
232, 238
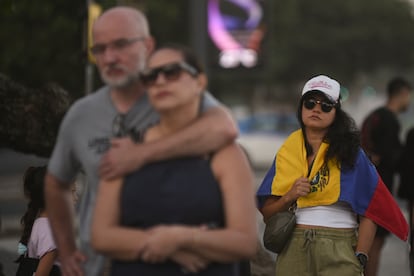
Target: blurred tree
340, 38
29, 118
169, 20
42, 42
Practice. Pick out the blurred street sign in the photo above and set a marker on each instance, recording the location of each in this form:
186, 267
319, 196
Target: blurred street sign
236, 27
94, 10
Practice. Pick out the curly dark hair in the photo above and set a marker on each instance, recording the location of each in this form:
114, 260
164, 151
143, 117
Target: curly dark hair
33, 187
343, 137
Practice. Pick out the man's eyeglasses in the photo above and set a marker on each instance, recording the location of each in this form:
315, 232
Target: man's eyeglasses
325, 106
116, 45
171, 72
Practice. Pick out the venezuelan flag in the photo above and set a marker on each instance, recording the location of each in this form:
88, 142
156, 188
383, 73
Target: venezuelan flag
360, 186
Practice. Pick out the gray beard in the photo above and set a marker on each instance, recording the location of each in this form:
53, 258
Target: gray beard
128, 81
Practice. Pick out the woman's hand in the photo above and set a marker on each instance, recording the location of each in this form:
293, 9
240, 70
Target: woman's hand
300, 188
163, 242
275, 204
190, 262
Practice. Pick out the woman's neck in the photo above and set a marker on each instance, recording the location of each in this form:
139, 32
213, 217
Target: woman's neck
315, 138
175, 119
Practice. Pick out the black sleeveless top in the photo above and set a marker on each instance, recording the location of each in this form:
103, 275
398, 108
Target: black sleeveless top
177, 191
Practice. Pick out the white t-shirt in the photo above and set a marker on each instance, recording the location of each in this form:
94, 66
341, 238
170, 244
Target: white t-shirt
338, 215
41, 239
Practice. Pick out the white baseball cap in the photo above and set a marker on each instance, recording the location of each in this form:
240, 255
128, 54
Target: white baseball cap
330, 87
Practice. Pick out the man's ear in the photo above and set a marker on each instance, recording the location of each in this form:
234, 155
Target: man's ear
149, 44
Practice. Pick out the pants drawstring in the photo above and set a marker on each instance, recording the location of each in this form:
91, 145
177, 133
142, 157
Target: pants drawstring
309, 238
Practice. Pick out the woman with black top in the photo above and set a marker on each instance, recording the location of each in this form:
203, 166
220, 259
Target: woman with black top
194, 214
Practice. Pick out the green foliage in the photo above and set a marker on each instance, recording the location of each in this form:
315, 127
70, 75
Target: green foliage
169, 20
45, 41
42, 42
341, 38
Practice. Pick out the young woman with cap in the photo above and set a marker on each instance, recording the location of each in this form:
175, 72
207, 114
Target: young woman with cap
339, 194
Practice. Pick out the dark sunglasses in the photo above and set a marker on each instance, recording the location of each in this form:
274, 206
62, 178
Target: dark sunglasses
325, 106
171, 72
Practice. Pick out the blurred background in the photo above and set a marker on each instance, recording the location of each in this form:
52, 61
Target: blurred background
257, 53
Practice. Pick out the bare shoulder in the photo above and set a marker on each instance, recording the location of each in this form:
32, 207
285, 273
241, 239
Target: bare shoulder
232, 150
230, 158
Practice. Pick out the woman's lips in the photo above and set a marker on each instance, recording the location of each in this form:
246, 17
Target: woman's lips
314, 117
162, 94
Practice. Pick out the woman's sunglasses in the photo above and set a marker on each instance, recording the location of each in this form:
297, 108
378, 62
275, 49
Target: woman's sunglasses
171, 72
311, 103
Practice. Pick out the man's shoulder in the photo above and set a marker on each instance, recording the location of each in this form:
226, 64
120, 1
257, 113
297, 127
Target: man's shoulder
385, 116
378, 111
92, 99
86, 103
83, 107
381, 118
375, 115
383, 110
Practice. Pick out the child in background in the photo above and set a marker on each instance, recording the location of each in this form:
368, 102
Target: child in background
37, 239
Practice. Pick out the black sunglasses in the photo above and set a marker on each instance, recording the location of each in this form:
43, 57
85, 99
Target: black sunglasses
325, 106
171, 72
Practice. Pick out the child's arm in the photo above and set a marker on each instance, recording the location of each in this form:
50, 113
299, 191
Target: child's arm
46, 263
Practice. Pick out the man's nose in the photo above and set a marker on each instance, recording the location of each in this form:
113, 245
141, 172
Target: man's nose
110, 55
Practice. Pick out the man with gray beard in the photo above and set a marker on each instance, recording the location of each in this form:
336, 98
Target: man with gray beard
99, 134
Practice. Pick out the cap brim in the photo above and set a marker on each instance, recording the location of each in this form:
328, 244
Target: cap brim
319, 92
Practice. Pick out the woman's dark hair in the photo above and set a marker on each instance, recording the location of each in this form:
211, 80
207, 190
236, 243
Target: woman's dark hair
343, 137
188, 55
33, 187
